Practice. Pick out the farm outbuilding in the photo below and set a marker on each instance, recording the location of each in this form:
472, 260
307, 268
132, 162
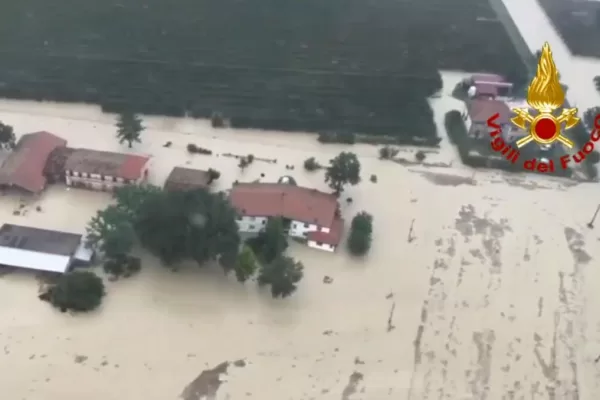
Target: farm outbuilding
41, 249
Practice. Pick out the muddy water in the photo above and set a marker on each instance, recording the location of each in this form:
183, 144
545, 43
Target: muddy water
478, 286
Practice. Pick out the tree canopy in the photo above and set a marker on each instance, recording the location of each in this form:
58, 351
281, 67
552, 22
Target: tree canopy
111, 233
282, 274
196, 225
129, 128
77, 291
179, 225
343, 169
271, 242
589, 116
7, 137
361, 232
246, 264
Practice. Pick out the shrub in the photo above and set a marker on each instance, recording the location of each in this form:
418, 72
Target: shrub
123, 266
388, 152
310, 164
193, 149
77, 291
420, 155
361, 230
213, 175
374, 178
250, 158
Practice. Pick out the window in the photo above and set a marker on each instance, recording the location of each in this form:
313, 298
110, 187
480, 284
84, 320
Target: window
264, 222
306, 225
319, 244
114, 178
102, 177
251, 227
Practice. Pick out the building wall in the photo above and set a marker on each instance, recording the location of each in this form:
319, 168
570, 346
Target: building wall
297, 229
251, 224
321, 246
99, 182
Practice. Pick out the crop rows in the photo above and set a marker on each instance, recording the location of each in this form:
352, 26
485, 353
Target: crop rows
357, 65
578, 23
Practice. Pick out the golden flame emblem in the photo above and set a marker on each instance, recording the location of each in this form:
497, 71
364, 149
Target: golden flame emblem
545, 94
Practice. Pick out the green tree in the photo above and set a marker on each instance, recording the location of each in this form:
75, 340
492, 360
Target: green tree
181, 225
283, 274
130, 198
589, 116
7, 137
111, 232
361, 233
77, 291
129, 128
343, 169
311, 164
271, 242
246, 264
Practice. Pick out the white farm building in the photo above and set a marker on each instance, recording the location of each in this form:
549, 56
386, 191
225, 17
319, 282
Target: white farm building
307, 214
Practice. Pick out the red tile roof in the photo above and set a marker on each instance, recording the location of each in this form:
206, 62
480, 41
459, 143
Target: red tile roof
24, 167
333, 237
107, 163
284, 200
481, 110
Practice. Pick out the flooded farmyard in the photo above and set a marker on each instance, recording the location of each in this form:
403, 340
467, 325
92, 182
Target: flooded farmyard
479, 285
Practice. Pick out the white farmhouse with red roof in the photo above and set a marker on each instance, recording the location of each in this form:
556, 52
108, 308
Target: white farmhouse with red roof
104, 170
307, 213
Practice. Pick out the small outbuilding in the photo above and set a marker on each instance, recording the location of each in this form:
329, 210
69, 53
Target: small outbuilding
182, 179
41, 249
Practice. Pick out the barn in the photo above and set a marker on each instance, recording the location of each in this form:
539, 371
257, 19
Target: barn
41, 249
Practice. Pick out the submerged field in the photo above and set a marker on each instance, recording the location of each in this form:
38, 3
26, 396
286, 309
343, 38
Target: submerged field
361, 66
491, 295
578, 23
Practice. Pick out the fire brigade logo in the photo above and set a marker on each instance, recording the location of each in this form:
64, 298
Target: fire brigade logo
545, 95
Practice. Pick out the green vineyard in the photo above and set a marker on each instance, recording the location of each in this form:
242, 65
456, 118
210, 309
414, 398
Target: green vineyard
348, 65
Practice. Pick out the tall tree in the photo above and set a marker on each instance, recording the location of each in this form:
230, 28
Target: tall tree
111, 232
589, 116
175, 226
283, 274
7, 137
270, 243
343, 169
77, 291
129, 128
246, 264
361, 231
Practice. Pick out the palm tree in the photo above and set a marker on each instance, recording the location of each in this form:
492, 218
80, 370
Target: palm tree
129, 128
